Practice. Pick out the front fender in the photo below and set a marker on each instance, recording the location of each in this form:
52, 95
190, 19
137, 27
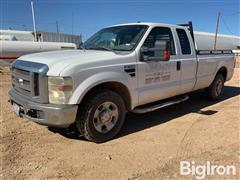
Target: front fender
97, 79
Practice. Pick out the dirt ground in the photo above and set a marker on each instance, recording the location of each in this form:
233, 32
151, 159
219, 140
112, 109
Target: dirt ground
150, 146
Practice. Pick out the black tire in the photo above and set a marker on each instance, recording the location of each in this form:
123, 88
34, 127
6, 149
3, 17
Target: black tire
215, 90
85, 117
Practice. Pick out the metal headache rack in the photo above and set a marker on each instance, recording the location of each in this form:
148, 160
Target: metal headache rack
189, 25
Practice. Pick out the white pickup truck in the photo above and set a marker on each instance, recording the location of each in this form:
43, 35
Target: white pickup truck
137, 67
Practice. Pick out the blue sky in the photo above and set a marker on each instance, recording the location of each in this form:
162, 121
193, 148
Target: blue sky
86, 17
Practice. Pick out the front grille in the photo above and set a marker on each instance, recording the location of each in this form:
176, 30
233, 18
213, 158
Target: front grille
30, 80
22, 81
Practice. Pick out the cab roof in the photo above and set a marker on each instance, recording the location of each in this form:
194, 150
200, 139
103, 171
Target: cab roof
151, 24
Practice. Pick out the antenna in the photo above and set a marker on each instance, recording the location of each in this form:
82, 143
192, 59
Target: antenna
217, 25
72, 23
58, 31
57, 26
34, 24
72, 26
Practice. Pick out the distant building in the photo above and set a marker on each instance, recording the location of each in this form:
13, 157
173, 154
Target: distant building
15, 35
58, 37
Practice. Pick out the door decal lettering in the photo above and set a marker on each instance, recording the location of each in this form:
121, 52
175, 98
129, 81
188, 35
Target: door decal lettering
157, 73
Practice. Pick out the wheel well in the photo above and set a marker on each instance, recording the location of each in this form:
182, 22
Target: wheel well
223, 71
113, 86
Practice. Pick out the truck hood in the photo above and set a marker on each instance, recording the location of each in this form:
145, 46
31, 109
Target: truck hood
57, 61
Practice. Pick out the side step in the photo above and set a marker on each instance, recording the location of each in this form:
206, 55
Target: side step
149, 108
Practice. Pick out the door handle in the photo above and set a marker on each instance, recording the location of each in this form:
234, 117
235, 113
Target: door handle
178, 65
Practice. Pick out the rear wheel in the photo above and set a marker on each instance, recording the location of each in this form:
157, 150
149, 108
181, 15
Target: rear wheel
101, 117
215, 90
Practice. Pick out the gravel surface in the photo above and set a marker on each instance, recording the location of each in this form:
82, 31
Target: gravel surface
150, 146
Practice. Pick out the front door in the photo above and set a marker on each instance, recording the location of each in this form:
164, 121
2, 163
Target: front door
158, 79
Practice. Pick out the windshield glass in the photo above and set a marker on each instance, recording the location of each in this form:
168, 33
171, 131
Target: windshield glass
120, 38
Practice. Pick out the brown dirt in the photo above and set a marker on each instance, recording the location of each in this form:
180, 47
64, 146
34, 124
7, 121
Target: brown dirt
150, 146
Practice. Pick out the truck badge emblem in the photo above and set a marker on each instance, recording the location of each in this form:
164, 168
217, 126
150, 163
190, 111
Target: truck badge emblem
20, 81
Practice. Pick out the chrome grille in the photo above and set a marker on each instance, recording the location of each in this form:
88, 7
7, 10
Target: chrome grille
21, 81
29, 79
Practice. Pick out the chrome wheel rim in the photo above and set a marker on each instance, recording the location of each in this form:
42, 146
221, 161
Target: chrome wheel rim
219, 87
105, 117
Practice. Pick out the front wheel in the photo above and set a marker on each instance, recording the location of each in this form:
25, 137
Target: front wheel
215, 90
101, 116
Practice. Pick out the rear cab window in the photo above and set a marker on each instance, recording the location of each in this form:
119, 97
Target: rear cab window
184, 41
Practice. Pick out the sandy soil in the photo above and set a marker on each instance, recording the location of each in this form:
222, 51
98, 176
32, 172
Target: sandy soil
150, 146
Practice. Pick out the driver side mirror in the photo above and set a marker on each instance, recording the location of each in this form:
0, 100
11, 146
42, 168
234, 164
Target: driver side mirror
160, 52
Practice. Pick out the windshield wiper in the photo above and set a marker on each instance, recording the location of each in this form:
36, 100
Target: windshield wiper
105, 48
100, 48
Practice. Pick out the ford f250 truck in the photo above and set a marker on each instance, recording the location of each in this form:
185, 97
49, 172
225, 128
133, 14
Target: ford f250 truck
136, 67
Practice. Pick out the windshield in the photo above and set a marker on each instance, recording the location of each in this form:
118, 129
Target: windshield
119, 38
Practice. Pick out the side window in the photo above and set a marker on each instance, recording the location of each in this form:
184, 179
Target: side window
160, 33
184, 41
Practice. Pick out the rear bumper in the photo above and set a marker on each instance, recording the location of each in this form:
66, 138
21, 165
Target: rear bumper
45, 114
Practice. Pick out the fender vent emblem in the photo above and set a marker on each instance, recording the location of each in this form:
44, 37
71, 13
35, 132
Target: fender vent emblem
130, 69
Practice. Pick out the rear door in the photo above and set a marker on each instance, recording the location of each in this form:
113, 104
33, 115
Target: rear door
188, 61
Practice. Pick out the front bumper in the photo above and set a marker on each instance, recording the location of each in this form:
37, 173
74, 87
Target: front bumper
45, 114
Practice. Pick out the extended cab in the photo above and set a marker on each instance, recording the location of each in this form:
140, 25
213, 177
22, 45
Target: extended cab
137, 67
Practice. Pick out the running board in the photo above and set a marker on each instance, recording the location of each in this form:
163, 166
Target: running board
161, 105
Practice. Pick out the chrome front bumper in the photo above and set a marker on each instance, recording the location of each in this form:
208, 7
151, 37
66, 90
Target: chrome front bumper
45, 114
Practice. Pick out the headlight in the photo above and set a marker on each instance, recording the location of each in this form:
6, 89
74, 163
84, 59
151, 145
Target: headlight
59, 89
